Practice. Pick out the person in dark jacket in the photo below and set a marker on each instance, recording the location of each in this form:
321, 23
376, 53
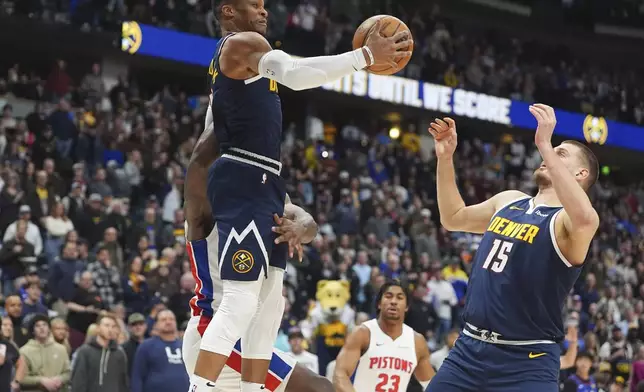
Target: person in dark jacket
101, 365
158, 363
137, 326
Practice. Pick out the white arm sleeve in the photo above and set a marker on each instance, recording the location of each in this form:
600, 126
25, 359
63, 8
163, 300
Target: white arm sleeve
312, 72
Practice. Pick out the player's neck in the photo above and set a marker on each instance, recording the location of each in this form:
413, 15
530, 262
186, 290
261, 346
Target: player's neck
393, 328
547, 196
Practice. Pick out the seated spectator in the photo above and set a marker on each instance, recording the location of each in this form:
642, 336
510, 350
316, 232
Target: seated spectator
60, 333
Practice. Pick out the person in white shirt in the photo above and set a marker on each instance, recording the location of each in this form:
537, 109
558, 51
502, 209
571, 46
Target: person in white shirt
303, 357
57, 225
442, 295
33, 233
439, 356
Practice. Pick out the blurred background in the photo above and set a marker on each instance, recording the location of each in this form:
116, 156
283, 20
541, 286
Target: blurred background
102, 102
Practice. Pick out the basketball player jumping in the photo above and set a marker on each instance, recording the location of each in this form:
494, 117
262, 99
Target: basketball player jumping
284, 374
525, 266
383, 352
245, 189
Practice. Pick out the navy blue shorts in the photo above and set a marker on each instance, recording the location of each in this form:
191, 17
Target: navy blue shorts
243, 199
476, 366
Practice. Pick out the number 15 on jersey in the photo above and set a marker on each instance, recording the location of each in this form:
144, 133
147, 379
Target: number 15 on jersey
498, 256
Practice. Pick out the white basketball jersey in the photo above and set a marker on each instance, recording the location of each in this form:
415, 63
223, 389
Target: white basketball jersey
387, 365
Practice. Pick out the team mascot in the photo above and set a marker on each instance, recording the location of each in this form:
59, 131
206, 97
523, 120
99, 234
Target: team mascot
330, 320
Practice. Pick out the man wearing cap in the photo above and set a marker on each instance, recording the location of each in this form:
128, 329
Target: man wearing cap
92, 221
47, 362
32, 234
303, 357
137, 327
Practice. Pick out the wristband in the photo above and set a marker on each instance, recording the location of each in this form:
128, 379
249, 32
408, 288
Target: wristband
371, 60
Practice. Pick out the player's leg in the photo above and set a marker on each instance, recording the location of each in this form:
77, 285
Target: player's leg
241, 266
238, 305
304, 380
257, 343
190, 345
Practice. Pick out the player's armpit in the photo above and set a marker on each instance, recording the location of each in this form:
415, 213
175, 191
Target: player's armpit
241, 53
347, 360
573, 240
476, 218
424, 371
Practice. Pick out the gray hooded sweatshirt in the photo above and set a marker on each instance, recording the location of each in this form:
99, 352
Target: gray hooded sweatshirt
99, 369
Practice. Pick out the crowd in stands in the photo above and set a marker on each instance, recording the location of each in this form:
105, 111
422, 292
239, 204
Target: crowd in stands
446, 51
93, 252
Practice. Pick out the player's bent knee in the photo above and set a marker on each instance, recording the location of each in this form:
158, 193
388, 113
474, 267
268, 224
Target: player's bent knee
231, 321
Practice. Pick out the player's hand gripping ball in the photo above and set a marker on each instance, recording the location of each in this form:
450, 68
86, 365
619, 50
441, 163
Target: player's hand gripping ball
389, 40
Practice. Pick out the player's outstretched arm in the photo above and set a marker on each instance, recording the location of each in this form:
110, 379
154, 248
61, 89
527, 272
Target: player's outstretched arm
250, 51
454, 214
424, 371
577, 224
347, 360
197, 206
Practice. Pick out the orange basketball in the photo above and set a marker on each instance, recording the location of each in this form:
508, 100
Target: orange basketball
392, 25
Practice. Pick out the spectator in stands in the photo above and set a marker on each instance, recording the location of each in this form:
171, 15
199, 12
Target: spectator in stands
32, 304
439, 356
158, 364
57, 225
106, 278
443, 297
60, 333
32, 233
12, 365
16, 255
303, 357
64, 271
47, 361
84, 308
137, 328
581, 380
101, 365
136, 294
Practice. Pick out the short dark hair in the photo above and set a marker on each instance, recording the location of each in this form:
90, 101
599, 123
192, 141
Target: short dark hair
386, 286
589, 159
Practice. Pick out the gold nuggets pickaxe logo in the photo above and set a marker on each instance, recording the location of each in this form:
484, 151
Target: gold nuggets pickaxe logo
243, 261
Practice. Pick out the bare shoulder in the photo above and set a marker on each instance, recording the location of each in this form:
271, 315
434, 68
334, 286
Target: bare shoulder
501, 199
246, 40
240, 54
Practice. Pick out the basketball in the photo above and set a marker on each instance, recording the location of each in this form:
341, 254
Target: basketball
392, 25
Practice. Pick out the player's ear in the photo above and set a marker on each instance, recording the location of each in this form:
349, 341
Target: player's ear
227, 10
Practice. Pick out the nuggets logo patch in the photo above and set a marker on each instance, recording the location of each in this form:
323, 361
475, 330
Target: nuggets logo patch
243, 261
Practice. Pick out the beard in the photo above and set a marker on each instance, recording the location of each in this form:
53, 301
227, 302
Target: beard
541, 179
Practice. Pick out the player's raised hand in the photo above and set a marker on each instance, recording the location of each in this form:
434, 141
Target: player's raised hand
546, 122
444, 133
290, 231
386, 50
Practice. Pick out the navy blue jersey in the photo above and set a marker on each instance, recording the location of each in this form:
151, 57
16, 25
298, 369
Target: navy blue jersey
247, 113
520, 279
